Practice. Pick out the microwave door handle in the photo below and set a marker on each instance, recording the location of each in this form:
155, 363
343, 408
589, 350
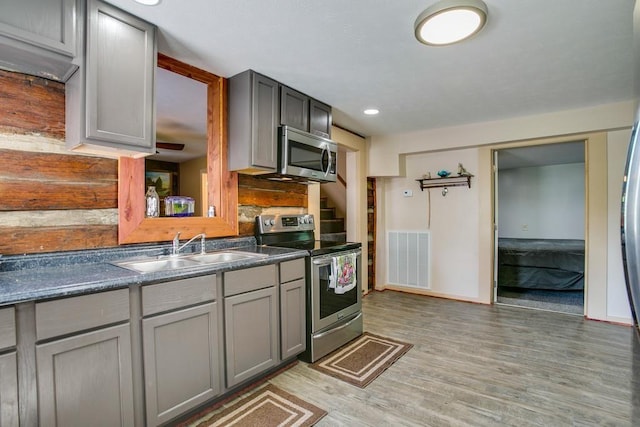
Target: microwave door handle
329, 159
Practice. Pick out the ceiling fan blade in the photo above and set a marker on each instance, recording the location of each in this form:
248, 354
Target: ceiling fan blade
170, 146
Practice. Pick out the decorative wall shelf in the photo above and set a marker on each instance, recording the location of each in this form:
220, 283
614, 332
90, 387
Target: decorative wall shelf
451, 181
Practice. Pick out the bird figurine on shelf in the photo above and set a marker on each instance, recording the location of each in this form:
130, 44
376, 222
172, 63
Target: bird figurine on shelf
443, 173
462, 171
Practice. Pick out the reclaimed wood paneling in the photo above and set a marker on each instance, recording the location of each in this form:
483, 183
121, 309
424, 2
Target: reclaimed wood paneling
34, 181
24, 240
257, 195
43, 181
31, 105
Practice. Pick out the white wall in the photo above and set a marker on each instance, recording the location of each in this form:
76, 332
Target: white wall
545, 202
452, 219
462, 222
617, 298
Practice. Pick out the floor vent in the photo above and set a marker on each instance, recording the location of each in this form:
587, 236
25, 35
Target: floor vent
408, 255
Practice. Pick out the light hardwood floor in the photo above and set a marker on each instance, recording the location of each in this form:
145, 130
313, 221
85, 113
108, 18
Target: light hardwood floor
479, 365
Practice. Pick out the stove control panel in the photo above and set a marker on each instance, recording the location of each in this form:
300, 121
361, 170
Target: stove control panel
279, 223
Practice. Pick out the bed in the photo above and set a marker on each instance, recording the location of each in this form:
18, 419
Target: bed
555, 264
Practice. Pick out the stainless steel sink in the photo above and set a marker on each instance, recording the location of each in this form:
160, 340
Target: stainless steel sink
184, 261
219, 257
158, 264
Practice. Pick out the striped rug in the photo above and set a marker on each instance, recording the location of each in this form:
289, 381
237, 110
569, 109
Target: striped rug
362, 360
269, 406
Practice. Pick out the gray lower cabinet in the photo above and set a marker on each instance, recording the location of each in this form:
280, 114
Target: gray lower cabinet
39, 37
292, 308
251, 322
181, 347
83, 358
110, 100
86, 379
253, 123
8, 369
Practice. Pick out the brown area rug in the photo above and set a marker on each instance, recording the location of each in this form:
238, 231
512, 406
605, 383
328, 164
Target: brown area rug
363, 359
266, 407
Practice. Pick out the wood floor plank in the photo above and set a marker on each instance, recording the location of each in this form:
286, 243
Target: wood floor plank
479, 365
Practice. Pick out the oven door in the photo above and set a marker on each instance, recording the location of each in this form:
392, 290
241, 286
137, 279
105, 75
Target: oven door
328, 308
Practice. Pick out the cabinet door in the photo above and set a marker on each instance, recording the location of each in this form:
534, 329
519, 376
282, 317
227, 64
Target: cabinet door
86, 380
48, 24
180, 361
251, 338
8, 390
264, 147
292, 319
294, 108
319, 118
120, 69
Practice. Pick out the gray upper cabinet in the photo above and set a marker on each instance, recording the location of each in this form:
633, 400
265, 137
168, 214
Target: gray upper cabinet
253, 123
39, 37
320, 119
292, 308
181, 347
294, 108
110, 104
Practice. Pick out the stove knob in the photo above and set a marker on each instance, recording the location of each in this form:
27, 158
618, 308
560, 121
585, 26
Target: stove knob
303, 220
310, 220
272, 222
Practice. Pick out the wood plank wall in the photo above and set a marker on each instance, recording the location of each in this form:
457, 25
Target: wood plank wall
50, 200
257, 196
53, 200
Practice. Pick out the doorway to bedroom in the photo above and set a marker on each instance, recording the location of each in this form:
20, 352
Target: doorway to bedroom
540, 226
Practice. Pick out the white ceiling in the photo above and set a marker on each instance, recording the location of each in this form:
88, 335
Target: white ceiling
533, 56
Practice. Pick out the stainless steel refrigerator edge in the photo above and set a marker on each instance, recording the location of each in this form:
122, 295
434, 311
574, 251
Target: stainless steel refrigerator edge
630, 220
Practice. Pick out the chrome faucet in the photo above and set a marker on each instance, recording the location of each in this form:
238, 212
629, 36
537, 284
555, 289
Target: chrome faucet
176, 248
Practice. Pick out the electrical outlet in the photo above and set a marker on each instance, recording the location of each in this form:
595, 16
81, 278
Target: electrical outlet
525, 227
407, 193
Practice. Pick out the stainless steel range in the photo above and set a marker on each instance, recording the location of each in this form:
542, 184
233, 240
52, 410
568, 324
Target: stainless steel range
334, 295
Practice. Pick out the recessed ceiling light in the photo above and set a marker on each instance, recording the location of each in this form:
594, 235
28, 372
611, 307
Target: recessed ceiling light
371, 111
148, 2
450, 21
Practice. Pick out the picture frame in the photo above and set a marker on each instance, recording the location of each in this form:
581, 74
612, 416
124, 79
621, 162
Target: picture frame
164, 181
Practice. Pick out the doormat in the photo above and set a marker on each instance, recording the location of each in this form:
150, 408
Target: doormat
363, 359
266, 407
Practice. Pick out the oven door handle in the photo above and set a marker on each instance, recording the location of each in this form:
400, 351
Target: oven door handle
322, 262
328, 259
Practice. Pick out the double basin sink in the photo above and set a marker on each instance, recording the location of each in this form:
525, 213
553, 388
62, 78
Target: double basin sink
174, 262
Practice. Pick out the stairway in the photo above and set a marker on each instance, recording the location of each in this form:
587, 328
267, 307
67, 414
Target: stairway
331, 228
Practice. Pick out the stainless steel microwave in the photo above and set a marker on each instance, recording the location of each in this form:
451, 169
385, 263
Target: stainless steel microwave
307, 156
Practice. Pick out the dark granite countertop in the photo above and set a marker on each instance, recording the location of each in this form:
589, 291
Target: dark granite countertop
29, 278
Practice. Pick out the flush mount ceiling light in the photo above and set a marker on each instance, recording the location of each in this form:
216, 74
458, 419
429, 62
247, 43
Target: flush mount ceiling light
371, 111
450, 21
148, 2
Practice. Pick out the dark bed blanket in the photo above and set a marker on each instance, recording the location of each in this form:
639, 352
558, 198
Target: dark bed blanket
541, 263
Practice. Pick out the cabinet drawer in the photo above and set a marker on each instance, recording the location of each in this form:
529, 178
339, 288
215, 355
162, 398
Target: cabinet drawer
7, 328
250, 279
179, 293
68, 315
291, 270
